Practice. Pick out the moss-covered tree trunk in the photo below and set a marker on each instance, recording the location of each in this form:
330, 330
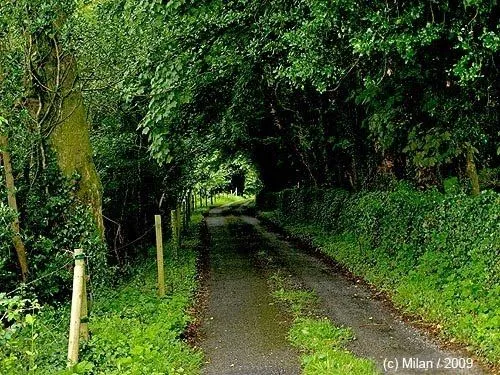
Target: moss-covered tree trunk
70, 139
56, 103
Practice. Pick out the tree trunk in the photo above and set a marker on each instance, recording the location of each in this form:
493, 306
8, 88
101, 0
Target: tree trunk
12, 202
472, 171
70, 139
58, 109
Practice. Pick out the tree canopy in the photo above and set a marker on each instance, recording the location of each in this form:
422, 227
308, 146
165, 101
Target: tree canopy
406, 86
192, 95
114, 111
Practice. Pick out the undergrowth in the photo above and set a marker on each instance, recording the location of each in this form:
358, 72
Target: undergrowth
132, 330
324, 348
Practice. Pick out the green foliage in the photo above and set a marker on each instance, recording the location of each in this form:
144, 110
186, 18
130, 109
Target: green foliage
17, 315
53, 224
6, 217
436, 254
135, 332
132, 330
313, 334
329, 89
213, 173
311, 93
37, 344
132, 184
57, 223
490, 178
451, 185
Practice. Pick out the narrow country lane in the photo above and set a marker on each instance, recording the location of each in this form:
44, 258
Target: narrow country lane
244, 333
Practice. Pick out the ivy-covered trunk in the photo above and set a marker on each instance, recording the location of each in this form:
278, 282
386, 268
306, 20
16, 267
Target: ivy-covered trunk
56, 104
70, 140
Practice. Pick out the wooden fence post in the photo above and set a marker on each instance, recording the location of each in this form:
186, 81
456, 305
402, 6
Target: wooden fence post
76, 307
84, 314
159, 256
173, 225
179, 224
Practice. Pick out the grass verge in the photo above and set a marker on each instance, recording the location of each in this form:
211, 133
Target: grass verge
448, 299
322, 344
228, 200
132, 330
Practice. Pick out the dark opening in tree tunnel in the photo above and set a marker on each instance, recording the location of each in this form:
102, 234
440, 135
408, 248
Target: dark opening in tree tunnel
238, 183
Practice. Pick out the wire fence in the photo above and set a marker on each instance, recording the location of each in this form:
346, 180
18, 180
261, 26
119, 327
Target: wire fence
137, 239
24, 285
65, 265
84, 272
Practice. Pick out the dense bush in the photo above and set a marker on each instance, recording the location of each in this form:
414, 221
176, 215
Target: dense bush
6, 217
53, 223
437, 254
